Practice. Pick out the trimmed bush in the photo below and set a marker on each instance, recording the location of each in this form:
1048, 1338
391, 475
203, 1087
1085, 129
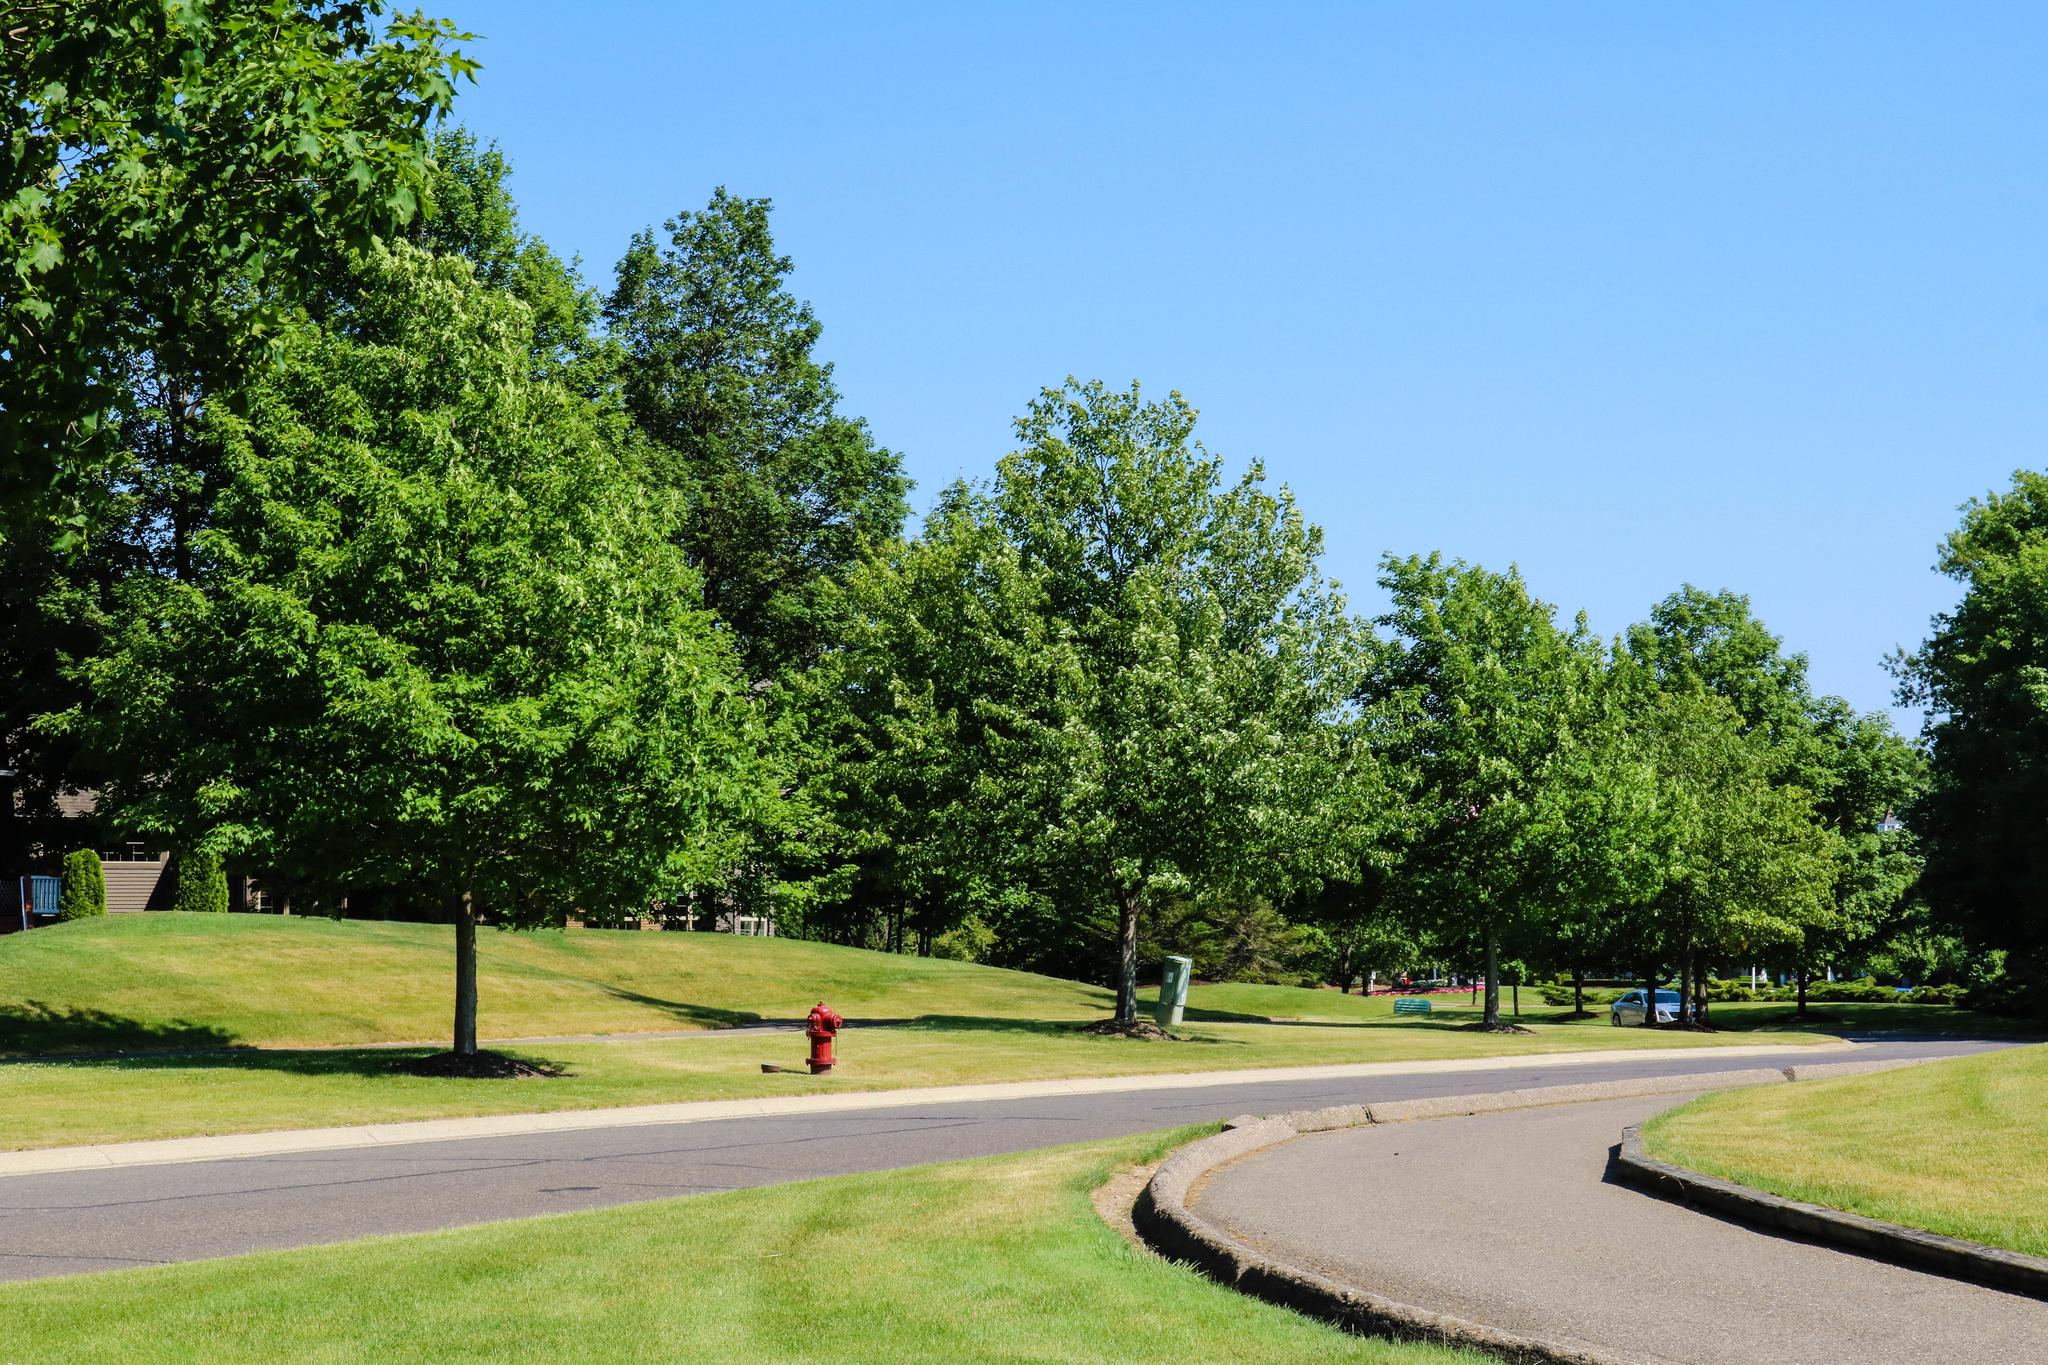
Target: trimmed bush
1729, 992
1864, 990
198, 884
1561, 996
84, 893
1949, 994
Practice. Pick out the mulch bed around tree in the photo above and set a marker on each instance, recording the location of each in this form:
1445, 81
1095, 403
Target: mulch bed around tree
1143, 1029
478, 1066
1502, 1027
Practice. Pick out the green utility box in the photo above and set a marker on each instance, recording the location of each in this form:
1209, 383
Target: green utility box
1173, 990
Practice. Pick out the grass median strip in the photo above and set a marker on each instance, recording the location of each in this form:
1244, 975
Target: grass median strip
1957, 1147
1001, 1259
59, 1103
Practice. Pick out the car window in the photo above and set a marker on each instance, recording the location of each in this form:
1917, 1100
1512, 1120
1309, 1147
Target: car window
1632, 998
1667, 997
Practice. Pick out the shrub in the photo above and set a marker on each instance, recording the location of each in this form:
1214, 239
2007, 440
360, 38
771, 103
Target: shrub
198, 884
84, 893
1729, 992
1561, 996
1949, 994
1864, 990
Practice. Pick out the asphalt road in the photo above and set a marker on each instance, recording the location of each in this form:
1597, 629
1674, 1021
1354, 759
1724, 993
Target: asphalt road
1508, 1220
143, 1215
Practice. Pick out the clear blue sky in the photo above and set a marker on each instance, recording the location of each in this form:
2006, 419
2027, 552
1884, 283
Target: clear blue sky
1751, 296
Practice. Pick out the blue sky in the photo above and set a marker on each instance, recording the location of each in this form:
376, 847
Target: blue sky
1751, 296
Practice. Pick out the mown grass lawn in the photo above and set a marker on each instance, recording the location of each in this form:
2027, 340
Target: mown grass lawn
61, 1102
1001, 1259
169, 980
1958, 1147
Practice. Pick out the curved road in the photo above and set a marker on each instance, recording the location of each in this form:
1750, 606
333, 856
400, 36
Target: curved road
1508, 1220
56, 1224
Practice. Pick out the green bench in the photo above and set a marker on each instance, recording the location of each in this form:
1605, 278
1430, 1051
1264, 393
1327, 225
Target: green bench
1411, 1007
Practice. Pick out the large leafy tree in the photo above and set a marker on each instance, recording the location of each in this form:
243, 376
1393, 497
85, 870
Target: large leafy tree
171, 173
1982, 674
1747, 867
434, 642
151, 492
784, 492
1132, 662
1865, 776
1599, 830
1850, 769
955, 683
1473, 704
1713, 641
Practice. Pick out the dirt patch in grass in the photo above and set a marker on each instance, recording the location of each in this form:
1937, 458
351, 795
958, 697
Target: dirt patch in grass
483, 1065
1503, 1026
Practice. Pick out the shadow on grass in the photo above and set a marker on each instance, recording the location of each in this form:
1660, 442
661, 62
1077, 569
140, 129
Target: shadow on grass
1037, 1028
704, 1016
33, 1029
1444, 1016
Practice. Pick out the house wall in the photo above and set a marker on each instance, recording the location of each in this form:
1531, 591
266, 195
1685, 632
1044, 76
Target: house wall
136, 885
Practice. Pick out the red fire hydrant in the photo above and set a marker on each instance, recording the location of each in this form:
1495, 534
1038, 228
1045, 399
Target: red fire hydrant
822, 1028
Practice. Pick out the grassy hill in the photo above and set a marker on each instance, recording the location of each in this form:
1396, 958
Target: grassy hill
167, 980
213, 1016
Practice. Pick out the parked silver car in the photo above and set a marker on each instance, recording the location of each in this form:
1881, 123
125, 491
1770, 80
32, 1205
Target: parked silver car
1629, 1009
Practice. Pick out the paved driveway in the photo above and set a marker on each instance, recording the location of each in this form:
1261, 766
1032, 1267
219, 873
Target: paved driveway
1507, 1219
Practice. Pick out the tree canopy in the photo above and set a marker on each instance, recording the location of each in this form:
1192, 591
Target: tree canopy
171, 174
435, 646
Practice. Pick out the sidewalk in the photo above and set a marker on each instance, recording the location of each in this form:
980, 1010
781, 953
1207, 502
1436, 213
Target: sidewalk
281, 1142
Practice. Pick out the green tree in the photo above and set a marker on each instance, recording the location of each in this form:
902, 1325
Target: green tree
1599, 831
1982, 674
1472, 706
1748, 866
198, 883
435, 640
1129, 663
784, 493
1864, 776
84, 891
1713, 642
171, 173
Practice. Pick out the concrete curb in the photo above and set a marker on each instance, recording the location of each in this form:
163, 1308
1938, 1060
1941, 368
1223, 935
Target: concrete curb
1165, 1221
1910, 1247
286, 1142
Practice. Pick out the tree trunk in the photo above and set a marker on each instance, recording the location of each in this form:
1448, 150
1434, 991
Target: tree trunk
1127, 961
1492, 1016
1650, 996
1799, 977
1685, 986
465, 978
1578, 990
1344, 970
